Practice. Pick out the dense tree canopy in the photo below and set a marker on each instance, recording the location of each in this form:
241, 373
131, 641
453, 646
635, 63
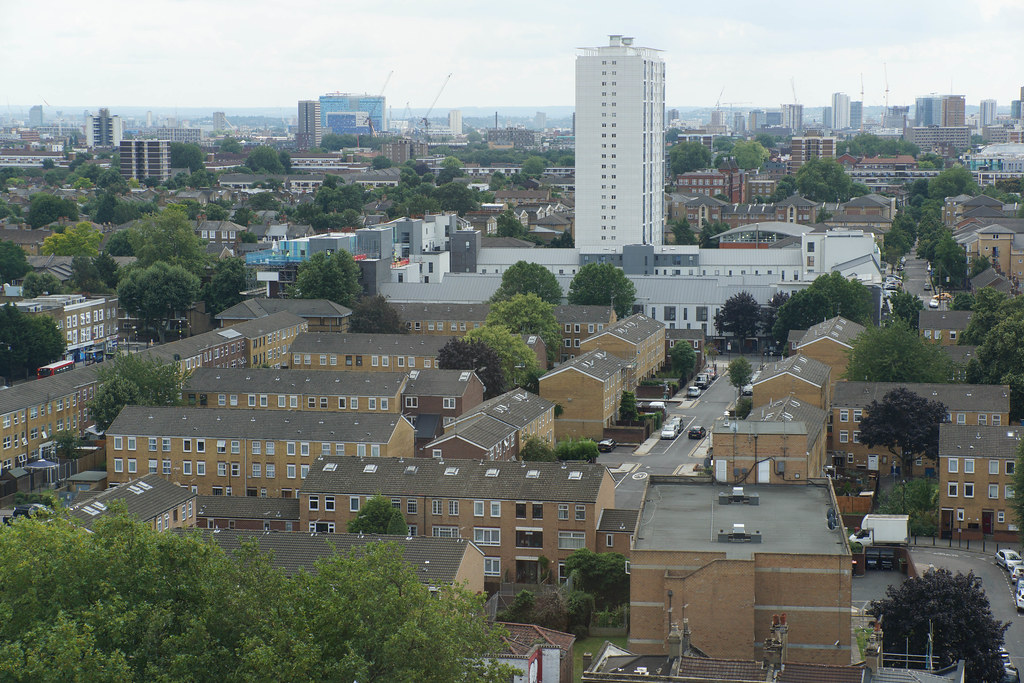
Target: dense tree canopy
378, 516
524, 277
684, 358
27, 342
904, 422
603, 284
951, 610
373, 314
518, 361
80, 240
828, 296
528, 314
896, 353
951, 182
264, 159
45, 209
689, 156
168, 238
126, 603
158, 295
134, 379
750, 154
739, 317
334, 277
740, 372
603, 575
225, 287
186, 155
462, 354
906, 307
37, 284
824, 180
510, 226
13, 263
1000, 360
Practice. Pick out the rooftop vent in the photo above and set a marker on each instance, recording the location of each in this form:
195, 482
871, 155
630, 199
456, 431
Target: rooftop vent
738, 535
738, 496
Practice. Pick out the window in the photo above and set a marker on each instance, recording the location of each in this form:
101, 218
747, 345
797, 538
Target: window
329, 503
412, 402
186, 467
165, 466
435, 507
314, 502
1008, 492
844, 415
571, 540
492, 566
856, 437
270, 448
152, 443
487, 536
353, 504
449, 404
968, 465
993, 467
152, 466
372, 403
993, 491
520, 510
953, 465
495, 508
445, 532
290, 471
1001, 517
968, 490
563, 511
383, 404
581, 513
844, 436
280, 401
131, 442
453, 507
951, 490
118, 443
478, 508
537, 510
529, 538
201, 468
118, 464
1009, 466
257, 470
856, 415
271, 470
412, 506
304, 471
290, 448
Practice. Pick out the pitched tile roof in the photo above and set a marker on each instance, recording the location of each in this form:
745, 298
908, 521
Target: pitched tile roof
436, 560
268, 380
616, 519
143, 499
517, 408
481, 430
838, 329
791, 410
575, 313
800, 672
435, 382
521, 638
956, 397
808, 369
232, 423
191, 346
365, 344
945, 320
247, 507
959, 354
304, 308
979, 440
442, 311
498, 480
635, 329
597, 363
39, 391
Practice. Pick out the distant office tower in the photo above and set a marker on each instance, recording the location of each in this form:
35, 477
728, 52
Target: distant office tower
35, 116
755, 120
220, 121
896, 117
718, 118
954, 110
455, 121
141, 159
773, 118
103, 130
1015, 112
793, 117
928, 111
149, 119
826, 117
856, 115
540, 121
309, 131
988, 112
620, 149
671, 115
840, 111
810, 146
739, 122
353, 114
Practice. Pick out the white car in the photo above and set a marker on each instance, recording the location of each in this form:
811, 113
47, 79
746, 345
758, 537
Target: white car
933, 303
1008, 559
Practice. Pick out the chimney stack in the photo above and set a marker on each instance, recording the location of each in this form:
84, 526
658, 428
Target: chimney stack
775, 644
675, 641
873, 650
588, 658
685, 644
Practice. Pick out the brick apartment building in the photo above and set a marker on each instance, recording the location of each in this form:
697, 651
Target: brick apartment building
976, 468
321, 315
589, 388
497, 429
448, 320
221, 451
799, 376
944, 327
637, 339
152, 500
736, 559
830, 342
247, 512
88, 324
580, 322
433, 399
515, 512
366, 352
729, 182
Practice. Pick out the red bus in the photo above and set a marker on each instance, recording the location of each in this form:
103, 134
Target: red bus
55, 368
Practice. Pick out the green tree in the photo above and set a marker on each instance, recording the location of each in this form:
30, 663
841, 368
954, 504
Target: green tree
380, 162
1000, 360
264, 159
244, 216
158, 294
510, 226
709, 234
740, 372
230, 145
603, 575
523, 277
45, 208
906, 307
456, 197
37, 284
378, 516
963, 301
627, 407
946, 614
1017, 503
373, 314
750, 154
990, 307
334, 277
67, 443
168, 238
28, 342
13, 263
119, 244
533, 167
134, 379
896, 353
918, 498
739, 317
333, 142
577, 449
684, 358
518, 362
951, 182
979, 264
528, 314
688, 156
81, 240
828, 296
215, 212
226, 285
536, 449
823, 180
603, 284
462, 354
906, 423
682, 232
186, 155
86, 275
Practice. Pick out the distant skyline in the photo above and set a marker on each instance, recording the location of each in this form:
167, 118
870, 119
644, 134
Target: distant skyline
231, 54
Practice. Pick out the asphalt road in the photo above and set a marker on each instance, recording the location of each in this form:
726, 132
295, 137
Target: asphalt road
630, 471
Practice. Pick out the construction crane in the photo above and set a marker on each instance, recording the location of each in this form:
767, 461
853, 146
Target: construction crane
861, 101
885, 72
718, 104
369, 115
426, 118
792, 84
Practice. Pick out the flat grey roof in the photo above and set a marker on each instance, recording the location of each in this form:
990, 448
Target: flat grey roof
685, 515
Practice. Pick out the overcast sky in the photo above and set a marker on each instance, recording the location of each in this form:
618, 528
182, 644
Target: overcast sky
257, 53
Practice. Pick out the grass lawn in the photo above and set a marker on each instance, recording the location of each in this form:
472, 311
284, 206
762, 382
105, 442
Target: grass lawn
591, 645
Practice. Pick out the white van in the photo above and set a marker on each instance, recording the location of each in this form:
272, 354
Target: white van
1019, 596
670, 429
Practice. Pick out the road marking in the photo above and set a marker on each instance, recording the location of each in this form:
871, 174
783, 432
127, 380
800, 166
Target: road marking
632, 467
624, 468
640, 476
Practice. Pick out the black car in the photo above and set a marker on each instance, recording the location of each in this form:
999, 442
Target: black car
697, 432
606, 445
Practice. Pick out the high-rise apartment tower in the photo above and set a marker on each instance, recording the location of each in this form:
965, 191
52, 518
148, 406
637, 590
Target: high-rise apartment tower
309, 131
620, 148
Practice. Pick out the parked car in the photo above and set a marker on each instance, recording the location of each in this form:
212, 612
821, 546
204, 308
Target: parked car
943, 296
747, 390
933, 303
697, 432
927, 286
1016, 574
606, 445
1010, 673
693, 392
670, 429
1008, 559
703, 380
1019, 597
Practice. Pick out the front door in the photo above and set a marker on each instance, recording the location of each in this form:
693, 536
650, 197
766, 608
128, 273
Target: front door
946, 523
527, 571
986, 522
764, 472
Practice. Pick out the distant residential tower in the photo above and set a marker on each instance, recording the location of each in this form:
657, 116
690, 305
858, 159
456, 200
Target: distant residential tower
310, 131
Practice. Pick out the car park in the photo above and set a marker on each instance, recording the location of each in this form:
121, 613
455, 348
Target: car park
697, 432
606, 445
693, 392
1008, 559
